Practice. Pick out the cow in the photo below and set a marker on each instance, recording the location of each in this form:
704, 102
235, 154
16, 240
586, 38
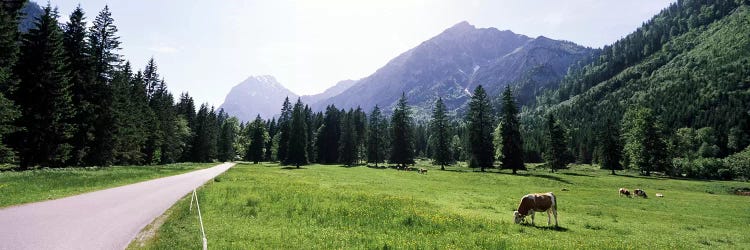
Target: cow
625, 192
660, 195
422, 171
640, 193
531, 203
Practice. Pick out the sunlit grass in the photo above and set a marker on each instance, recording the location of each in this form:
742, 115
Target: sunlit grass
43, 184
332, 207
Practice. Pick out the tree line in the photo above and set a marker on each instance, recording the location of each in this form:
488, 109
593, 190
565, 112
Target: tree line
67, 98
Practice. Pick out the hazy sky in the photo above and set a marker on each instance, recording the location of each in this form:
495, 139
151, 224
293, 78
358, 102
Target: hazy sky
206, 47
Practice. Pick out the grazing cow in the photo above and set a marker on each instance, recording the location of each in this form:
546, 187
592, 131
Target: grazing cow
641, 193
660, 195
422, 171
531, 203
625, 192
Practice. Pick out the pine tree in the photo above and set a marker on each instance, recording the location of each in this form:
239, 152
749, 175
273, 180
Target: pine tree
226, 150
81, 78
103, 43
480, 125
272, 131
9, 51
204, 142
297, 150
512, 142
402, 140
360, 128
440, 140
44, 96
186, 110
327, 137
556, 145
610, 148
348, 142
377, 137
258, 138
128, 138
285, 120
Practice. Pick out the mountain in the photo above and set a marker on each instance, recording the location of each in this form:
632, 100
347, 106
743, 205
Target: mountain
451, 64
338, 88
256, 95
29, 13
689, 64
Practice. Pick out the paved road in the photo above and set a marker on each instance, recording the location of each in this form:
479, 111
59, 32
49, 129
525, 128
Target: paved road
106, 219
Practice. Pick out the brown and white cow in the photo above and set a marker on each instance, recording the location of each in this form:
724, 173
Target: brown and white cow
531, 203
422, 170
641, 193
625, 192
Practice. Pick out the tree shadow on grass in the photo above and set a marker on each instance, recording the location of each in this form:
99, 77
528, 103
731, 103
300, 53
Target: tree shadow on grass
292, 168
551, 177
381, 167
577, 174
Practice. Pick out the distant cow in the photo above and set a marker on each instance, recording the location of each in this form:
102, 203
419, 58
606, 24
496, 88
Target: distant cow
660, 195
625, 192
531, 203
422, 171
641, 193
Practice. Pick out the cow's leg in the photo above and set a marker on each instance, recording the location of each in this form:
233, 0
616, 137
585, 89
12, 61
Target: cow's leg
532, 216
554, 211
549, 217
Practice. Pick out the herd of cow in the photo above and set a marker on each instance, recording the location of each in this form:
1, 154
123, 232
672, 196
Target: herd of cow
547, 202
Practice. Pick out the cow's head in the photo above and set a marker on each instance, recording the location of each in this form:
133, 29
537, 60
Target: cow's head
517, 217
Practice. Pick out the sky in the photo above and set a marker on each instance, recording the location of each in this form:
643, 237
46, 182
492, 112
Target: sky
206, 47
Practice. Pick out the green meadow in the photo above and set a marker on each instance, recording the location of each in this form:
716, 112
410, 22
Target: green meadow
52, 183
265, 206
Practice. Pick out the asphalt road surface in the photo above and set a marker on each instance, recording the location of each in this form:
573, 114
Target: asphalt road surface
106, 219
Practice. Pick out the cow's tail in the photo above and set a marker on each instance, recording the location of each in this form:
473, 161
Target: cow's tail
554, 198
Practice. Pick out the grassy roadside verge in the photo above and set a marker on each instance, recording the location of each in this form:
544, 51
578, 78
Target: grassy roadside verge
332, 207
44, 184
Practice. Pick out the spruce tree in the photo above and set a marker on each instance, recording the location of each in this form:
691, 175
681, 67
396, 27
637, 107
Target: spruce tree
440, 140
227, 137
297, 146
44, 96
103, 47
348, 142
556, 145
360, 128
8, 80
610, 148
285, 120
128, 139
327, 137
402, 140
81, 78
377, 137
511, 135
186, 110
258, 138
268, 155
480, 125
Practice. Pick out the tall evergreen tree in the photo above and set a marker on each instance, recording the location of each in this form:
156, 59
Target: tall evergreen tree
480, 125
377, 137
402, 140
512, 141
44, 96
327, 137
441, 137
610, 148
8, 80
645, 147
556, 145
285, 120
258, 138
297, 150
348, 146
104, 44
186, 110
360, 128
128, 136
226, 150
80, 70
204, 144
272, 131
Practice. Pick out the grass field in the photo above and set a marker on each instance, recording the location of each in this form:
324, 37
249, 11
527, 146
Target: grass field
43, 184
333, 207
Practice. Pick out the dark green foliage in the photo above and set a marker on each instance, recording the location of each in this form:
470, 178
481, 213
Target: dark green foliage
258, 137
348, 146
129, 133
44, 96
377, 137
610, 147
225, 146
440, 140
645, 147
8, 80
556, 154
739, 163
285, 120
480, 125
204, 142
272, 131
402, 140
327, 136
297, 145
511, 135
360, 127
185, 110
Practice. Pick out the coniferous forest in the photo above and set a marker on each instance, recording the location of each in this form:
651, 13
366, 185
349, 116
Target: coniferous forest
670, 98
